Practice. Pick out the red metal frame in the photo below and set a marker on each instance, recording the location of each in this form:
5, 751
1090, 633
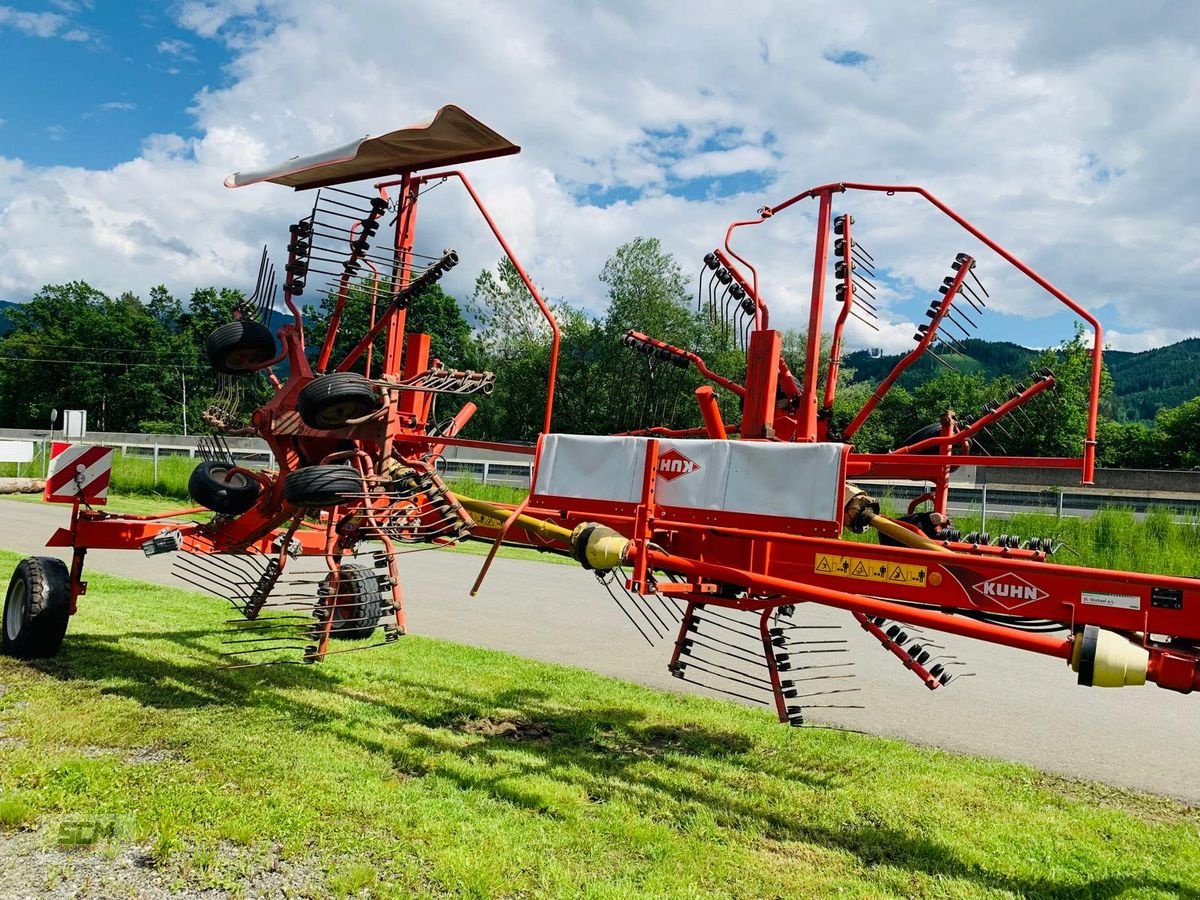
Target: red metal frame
746, 562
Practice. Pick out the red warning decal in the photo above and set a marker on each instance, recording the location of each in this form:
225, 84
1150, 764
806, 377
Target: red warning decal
78, 472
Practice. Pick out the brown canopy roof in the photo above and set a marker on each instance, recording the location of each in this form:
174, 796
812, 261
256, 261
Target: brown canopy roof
452, 137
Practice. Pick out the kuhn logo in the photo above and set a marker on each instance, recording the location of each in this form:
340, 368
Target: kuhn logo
1010, 590
673, 464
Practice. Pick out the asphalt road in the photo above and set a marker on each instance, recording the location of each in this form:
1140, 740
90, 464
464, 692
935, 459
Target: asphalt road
1018, 706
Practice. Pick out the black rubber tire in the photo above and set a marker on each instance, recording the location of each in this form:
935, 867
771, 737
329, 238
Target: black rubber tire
37, 608
241, 347
923, 434
321, 486
360, 605
329, 401
214, 487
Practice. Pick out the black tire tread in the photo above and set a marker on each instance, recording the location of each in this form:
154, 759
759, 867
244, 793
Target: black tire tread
364, 609
934, 429
49, 599
241, 335
211, 493
321, 486
331, 390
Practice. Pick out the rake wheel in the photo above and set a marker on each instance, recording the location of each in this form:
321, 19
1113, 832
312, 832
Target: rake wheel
241, 347
321, 486
359, 605
330, 401
214, 485
923, 434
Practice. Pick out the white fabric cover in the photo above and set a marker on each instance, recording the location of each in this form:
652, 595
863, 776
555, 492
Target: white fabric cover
800, 481
453, 136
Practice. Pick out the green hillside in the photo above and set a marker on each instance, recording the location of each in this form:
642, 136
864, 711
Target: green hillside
5, 325
1143, 383
1155, 379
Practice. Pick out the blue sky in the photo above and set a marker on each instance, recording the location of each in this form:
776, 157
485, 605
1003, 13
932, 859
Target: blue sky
88, 89
120, 121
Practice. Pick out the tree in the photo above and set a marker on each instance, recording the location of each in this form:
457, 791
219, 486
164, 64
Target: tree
507, 320
1127, 445
1176, 438
647, 292
71, 346
1059, 416
432, 312
890, 423
963, 394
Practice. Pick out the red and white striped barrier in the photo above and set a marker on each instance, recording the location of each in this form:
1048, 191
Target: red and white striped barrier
78, 472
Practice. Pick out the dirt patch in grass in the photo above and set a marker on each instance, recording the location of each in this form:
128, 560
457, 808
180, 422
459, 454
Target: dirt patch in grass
514, 729
1147, 807
36, 864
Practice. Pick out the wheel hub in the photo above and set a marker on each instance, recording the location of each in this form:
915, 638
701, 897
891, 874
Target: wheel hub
14, 610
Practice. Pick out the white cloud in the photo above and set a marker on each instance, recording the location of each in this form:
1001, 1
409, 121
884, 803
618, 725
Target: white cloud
714, 163
118, 106
44, 24
208, 17
1066, 150
1145, 340
176, 48
41, 25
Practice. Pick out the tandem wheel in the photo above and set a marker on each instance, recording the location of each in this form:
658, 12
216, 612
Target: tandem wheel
359, 604
37, 608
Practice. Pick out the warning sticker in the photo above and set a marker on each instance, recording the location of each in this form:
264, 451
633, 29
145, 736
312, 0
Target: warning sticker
870, 569
1115, 601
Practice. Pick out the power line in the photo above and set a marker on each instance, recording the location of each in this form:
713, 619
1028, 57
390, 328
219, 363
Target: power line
141, 350
93, 362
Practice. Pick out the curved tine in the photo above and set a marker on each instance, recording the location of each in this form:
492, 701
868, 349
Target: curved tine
857, 247
866, 287
262, 268
980, 283
727, 323
267, 305
700, 286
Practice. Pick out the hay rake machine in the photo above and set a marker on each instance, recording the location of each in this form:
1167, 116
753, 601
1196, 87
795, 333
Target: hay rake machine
712, 538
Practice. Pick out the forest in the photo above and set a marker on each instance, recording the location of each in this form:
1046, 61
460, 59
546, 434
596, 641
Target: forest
138, 365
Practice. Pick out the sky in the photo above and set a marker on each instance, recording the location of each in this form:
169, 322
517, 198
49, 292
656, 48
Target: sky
1066, 131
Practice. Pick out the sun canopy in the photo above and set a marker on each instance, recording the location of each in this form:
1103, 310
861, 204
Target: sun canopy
453, 136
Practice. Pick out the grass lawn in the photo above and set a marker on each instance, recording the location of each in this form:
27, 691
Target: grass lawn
426, 768
133, 504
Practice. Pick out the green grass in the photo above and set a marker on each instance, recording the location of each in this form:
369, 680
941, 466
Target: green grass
132, 504
1112, 538
381, 774
132, 474
492, 493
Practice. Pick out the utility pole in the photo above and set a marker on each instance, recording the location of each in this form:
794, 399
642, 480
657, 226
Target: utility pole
183, 378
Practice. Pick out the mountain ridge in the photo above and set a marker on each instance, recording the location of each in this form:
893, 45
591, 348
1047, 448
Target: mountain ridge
1144, 381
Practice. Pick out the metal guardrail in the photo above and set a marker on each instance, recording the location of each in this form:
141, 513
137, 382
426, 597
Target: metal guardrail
488, 471
1004, 502
518, 473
